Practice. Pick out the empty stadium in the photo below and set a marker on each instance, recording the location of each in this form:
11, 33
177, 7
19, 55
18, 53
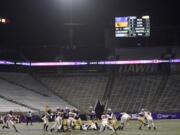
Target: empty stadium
89, 56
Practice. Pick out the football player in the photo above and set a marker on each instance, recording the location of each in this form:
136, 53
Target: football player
142, 118
92, 122
58, 121
150, 120
124, 120
71, 120
46, 118
112, 118
106, 123
8, 121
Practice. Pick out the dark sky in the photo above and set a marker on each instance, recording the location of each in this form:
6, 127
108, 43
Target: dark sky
42, 22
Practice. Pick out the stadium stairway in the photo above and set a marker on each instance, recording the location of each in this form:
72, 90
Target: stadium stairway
108, 89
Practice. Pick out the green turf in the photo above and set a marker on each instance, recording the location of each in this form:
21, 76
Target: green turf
164, 127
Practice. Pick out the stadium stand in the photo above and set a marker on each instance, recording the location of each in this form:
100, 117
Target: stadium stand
18, 103
129, 93
27, 97
169, 98
80, 90
6, 106
25, 81
132, 92
123, 92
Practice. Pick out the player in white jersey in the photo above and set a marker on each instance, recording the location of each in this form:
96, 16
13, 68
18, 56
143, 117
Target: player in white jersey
85, 126
105, 123
89, 126
45, 119
112, 119
9, 121
142, 118
3, 119
58, 122
124, 119
71, 120
149, 119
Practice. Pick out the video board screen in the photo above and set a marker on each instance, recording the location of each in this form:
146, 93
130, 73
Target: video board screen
132, 26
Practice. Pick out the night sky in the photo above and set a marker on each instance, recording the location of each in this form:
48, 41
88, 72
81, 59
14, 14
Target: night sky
43, 23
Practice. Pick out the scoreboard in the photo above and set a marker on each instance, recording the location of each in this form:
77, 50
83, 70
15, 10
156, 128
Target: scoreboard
132, 26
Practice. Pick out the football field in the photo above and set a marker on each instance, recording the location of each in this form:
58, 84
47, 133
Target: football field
164, 127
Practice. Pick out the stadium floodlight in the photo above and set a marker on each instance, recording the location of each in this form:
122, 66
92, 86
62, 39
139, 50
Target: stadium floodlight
3, 20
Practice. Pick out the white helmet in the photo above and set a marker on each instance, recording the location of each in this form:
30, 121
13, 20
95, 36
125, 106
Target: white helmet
109, 109
66, 108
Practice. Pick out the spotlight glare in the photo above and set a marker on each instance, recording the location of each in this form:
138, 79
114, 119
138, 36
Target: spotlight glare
3, 20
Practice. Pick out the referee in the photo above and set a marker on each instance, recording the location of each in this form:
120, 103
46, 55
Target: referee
29, 118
